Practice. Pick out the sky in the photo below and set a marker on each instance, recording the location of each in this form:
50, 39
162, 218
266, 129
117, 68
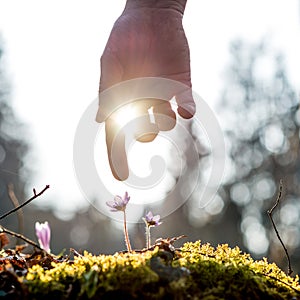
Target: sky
52, 60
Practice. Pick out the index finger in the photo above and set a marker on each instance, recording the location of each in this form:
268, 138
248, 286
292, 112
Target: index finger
115, 142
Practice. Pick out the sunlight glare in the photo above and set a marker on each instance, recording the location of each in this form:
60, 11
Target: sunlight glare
124, 115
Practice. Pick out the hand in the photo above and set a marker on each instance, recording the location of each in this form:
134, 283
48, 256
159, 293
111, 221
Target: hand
144, 42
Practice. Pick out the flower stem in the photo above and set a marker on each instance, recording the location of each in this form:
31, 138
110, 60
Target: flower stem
127, 241
148, 237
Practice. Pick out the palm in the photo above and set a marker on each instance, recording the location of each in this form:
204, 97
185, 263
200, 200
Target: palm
144, 46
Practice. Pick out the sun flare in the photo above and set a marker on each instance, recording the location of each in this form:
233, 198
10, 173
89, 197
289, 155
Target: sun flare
124, 115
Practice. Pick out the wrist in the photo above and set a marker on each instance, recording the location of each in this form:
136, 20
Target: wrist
178, 5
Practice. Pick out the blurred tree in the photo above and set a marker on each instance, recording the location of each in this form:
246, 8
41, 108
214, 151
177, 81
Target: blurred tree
262, 116
12, 151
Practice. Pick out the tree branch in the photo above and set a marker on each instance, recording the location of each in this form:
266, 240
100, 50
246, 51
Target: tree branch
270, 212
20, 236
26, 202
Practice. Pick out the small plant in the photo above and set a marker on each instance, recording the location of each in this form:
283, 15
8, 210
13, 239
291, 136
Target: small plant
150, 221
119, 204
43, 233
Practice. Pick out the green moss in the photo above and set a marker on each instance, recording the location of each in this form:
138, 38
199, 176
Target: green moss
226, 273
194, 272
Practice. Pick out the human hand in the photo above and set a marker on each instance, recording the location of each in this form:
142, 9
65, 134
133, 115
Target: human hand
144, 42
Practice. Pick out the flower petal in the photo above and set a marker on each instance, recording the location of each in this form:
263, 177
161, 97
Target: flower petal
119, 203
126, 198
43, 234
156, 218
149, 216
111, 204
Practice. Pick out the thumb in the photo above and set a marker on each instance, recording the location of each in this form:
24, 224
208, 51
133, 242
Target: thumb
115, 142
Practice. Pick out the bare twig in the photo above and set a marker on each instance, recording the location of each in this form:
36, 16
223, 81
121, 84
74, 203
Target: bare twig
20, 236
16, 203
25, 203
270, 212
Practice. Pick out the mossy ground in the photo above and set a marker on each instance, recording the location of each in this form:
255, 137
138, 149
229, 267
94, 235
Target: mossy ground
194, 271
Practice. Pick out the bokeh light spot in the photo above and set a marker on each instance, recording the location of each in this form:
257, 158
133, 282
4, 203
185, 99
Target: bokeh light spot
289, 214
215, 206
264, 188
240, 194
79, 235
256, 239
273, 138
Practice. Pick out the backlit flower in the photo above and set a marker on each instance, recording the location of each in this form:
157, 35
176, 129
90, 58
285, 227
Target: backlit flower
43, 234
152, 220
119, 203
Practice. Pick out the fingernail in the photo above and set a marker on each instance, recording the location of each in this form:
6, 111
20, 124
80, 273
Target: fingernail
187, 111
146, 132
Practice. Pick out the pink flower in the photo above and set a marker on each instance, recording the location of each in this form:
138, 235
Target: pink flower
152, 220
43, 233
119, 203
